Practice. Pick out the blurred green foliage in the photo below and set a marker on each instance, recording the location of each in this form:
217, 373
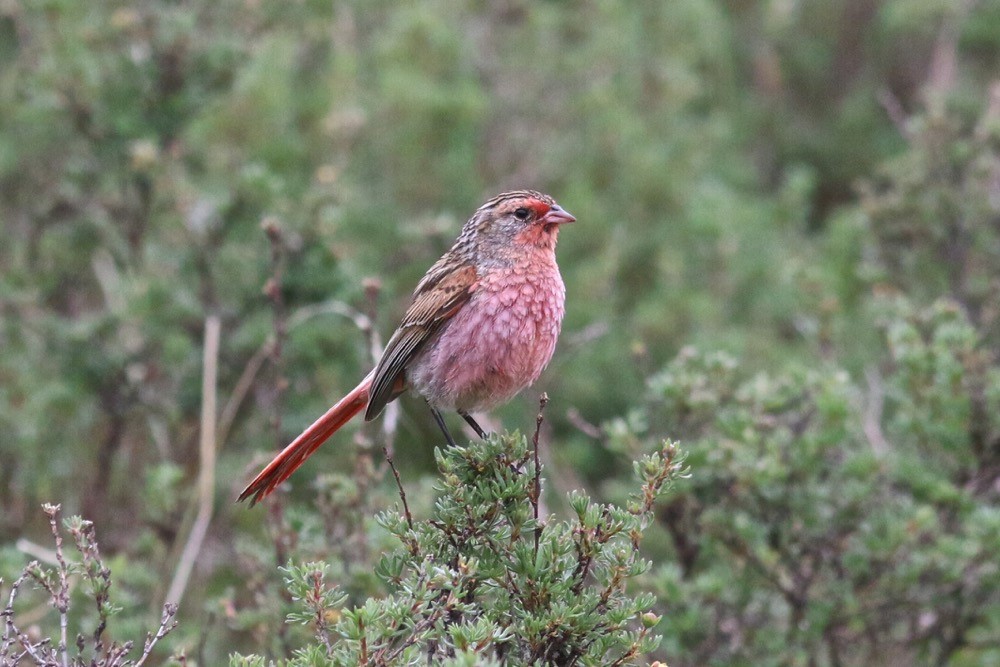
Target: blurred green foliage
814, 527
786, 259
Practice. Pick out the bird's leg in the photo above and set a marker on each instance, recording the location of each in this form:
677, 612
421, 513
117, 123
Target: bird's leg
472, 422
444, 428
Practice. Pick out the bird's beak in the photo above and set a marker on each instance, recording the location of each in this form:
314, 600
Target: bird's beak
557, 216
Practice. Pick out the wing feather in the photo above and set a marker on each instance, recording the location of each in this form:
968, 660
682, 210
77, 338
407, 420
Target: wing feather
441, 293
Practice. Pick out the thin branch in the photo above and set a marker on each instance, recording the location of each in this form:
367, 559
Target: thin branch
250, 370
363, 658
207, 453
169, 611
577, 421
536, 489
894, 110
60, 596
943, 67
273, 291
399, 483
444, 603
10, 631
36, 551
390, 416
240, 391
332, 307
872, 418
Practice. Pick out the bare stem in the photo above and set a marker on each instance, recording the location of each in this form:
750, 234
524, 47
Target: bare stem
206, 450
10, 631
240, 391
390, 416
894, 110
399, 483
363, 658
273, 291
60, 596
169, 611
249, 374
536, 488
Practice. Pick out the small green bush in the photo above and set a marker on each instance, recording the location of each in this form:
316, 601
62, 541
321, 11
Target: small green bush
487, 579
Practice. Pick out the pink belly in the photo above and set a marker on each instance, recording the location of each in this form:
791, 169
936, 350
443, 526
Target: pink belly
496, 345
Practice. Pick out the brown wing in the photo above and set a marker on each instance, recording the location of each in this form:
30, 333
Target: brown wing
441, 293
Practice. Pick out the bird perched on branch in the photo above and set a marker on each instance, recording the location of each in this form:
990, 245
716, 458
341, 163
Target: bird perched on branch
481, 326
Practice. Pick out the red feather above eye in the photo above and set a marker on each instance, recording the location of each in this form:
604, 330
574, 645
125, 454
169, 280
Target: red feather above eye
539, 207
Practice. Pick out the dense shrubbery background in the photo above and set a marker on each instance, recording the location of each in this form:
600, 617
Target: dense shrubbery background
786, 260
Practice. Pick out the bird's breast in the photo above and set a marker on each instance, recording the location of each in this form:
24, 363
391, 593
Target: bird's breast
498, 343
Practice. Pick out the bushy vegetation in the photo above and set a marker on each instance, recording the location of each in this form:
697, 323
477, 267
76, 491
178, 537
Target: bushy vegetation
785, 261
58, 585
488, 580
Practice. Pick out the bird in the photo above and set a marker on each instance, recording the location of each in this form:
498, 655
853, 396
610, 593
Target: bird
481, 326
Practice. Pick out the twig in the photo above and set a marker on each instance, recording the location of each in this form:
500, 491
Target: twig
943, 67
36, 551
206, 451
169, 611
390, 416
97, 575
363, 658
872, 418
372, 287
60, 597
536, 489
29, 649
332, 307
399, 483
249, 374
588, 334
243, 385
894, 110
240, 391
444, 602
10, 631
273, 291
576, 420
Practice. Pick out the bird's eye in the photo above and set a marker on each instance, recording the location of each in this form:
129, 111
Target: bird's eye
521, 213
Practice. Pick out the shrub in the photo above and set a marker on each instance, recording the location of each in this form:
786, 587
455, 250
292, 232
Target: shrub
489, 579
67, 583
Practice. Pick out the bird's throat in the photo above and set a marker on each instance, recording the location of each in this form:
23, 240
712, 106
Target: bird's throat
539, 236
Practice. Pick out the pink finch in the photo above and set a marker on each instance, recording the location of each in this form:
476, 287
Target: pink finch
481, 326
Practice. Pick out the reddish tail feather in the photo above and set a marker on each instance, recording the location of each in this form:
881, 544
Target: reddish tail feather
295, 454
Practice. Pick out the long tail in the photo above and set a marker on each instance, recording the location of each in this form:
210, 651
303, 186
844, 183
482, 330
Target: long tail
295, 454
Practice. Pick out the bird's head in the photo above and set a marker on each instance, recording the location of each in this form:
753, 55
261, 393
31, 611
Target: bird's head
518, 218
